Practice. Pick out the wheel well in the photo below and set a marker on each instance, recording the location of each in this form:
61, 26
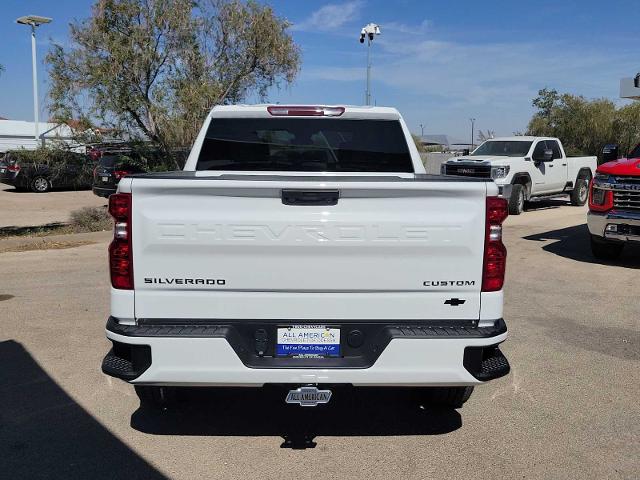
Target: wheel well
523, 179
584, 173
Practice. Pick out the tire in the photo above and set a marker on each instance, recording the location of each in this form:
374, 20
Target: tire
605, 250
580, 192
40, 184
516, 200
452, 397
156, 397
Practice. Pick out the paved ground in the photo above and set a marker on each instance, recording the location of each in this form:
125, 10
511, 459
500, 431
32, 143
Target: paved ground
569, 409
24, 209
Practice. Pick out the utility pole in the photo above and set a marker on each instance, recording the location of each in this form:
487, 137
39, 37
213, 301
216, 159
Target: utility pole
422, 130
34, 21
473, 121
369, 32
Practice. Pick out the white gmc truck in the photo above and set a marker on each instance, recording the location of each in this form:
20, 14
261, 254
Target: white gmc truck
526, 169
305, 247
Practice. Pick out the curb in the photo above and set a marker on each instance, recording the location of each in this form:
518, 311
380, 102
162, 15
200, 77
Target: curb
11, 243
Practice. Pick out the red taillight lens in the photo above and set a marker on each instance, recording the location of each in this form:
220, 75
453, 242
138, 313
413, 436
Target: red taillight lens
13, 168
304, 111
120, 206
600, 199
495, 253
120, 250
120, 173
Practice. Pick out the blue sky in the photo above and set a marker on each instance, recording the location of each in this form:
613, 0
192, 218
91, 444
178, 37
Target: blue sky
439, 63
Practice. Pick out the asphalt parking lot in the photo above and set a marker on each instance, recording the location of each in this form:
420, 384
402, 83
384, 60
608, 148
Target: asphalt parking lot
25, 209
569, 409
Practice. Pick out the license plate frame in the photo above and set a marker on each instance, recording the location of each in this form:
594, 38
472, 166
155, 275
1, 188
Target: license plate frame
308, 341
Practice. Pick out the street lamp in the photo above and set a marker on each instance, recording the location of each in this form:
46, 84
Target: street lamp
34, 21
473, 121
369, 32
422, 130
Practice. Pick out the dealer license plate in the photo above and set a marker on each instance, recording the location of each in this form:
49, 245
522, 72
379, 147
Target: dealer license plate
308, 341
104, 179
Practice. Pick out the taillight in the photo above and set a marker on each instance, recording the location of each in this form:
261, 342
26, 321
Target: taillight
120, 251
495, 253
600, 199
13, 168
120, 173
304, 111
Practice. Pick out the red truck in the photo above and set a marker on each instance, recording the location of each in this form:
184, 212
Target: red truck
614, 206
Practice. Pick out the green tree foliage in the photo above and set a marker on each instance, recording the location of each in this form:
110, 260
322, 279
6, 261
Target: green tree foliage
153, 68
584, 125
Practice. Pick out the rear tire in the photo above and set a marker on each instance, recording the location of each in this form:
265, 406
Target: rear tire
516, 200
580, 192
156, 397
605, 250
40, 184
453, 397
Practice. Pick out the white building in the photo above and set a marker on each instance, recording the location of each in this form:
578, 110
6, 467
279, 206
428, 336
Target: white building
17, 134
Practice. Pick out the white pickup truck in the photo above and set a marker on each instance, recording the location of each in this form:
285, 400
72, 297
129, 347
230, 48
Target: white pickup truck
305, 247
527, 168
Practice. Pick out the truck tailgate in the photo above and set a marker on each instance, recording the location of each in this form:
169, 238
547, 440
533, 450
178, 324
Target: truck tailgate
229, 248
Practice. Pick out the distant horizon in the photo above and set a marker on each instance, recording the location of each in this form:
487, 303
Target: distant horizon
439, 65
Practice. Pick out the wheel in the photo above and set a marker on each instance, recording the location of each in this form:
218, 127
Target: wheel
155, 397
580, 192
40, 184
516, 201
605, 250
453, 397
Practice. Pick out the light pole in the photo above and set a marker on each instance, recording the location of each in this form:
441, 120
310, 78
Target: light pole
369, 31
34, 21
421, 130
473, 121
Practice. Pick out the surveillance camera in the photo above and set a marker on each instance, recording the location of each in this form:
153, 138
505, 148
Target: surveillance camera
370, 35
361, 39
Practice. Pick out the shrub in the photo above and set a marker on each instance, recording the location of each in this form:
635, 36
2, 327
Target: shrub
91, 219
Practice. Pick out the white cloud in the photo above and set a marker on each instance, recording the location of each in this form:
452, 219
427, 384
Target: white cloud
330, 17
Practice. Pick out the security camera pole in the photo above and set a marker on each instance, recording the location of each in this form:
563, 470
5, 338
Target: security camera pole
34, 21
369, 31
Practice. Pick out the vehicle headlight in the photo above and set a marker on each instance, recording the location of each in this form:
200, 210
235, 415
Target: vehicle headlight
499, 172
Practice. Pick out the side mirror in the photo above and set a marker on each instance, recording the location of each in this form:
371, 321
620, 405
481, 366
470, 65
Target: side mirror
547, 156
609, 153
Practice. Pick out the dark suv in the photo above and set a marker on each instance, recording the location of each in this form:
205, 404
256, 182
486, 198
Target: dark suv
110, 169
24, 171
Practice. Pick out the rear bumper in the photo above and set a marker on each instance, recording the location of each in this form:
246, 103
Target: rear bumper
412, 354
103, 191
615, 225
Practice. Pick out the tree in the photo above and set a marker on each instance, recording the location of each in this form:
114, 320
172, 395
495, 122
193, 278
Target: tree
153, 68
627, 124
583, 125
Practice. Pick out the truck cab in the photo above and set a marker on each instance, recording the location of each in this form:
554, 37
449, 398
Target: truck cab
527, 168
614, 206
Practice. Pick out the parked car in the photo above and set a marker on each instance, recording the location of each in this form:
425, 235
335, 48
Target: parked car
614, 206
110, 168
62, 169
526, 169
305, 246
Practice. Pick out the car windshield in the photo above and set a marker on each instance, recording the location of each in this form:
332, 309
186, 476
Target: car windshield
305, 145
503, 148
